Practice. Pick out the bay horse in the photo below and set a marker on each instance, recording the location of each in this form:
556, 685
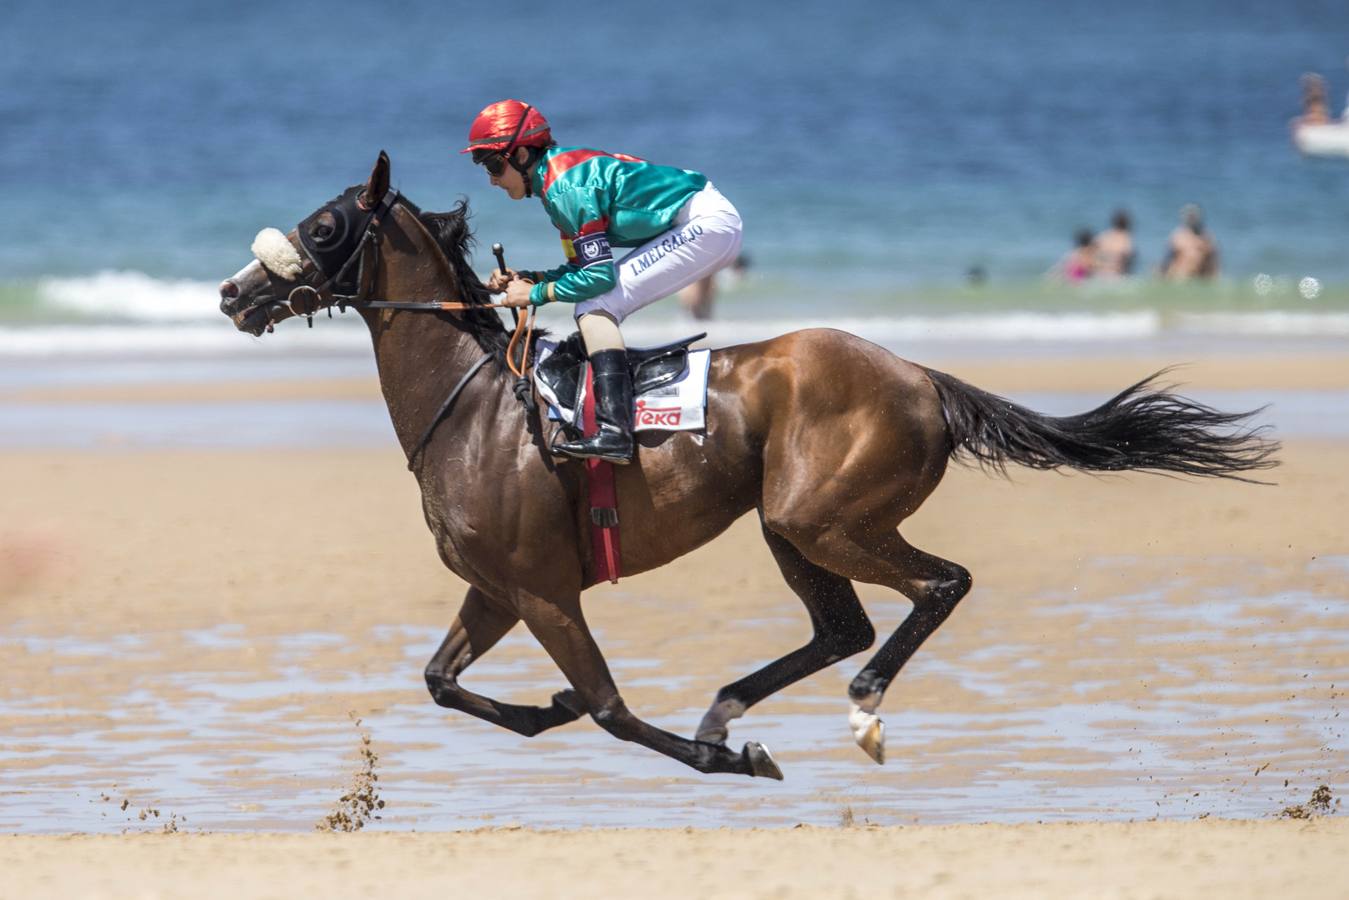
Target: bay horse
833, 440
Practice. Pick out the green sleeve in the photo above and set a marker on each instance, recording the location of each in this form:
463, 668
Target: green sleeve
579, 213
575, 284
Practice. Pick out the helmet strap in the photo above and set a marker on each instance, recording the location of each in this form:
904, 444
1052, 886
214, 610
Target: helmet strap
526, 168
511, 148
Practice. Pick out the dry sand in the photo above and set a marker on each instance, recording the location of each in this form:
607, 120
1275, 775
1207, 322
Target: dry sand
1158, 859
1082, 587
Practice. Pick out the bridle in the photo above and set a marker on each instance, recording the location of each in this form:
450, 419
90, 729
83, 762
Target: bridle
340, 290
365, 256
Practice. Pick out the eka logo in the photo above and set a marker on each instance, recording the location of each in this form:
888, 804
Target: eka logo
658, 417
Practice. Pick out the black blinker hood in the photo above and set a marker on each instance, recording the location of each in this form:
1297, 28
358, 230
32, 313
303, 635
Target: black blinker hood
330, 254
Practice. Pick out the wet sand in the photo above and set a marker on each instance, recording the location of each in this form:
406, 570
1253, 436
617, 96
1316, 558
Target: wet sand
191, 632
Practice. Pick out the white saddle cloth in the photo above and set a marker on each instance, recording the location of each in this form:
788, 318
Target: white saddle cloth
680, 405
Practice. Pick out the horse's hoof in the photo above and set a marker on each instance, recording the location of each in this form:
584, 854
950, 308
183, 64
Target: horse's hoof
869, 732
761, 763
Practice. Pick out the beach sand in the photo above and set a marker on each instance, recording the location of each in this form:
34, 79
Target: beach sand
1155, 859
1134, 647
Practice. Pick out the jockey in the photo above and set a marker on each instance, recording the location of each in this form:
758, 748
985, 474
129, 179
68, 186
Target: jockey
681, 227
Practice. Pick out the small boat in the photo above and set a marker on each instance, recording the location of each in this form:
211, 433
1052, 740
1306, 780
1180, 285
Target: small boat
1330, 139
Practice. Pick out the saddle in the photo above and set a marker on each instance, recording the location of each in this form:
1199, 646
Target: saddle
652, 368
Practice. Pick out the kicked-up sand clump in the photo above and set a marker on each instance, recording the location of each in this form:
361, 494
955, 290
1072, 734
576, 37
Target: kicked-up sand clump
1322, 803
361, 802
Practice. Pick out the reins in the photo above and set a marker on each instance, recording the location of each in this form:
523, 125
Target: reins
524, 325
444, 411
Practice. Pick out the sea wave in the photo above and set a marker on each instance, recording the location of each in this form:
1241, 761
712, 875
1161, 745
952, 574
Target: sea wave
172, 341
217, 336
129, 295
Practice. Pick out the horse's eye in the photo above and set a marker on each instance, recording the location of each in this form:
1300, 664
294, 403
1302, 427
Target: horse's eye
324, 228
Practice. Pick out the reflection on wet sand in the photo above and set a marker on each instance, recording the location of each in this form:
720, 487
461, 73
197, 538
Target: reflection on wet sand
1164, 703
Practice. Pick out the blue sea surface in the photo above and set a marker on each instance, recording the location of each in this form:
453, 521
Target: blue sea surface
876, 151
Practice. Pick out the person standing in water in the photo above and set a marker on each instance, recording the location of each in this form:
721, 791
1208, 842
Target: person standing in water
1080, 262
1114, 247
1315, 103
680, 227
698, 297
1191, 251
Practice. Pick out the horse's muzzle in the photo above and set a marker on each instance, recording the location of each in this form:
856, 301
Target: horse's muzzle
229, 295
247, 298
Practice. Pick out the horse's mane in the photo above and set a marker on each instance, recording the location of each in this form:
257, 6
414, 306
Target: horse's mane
455, 239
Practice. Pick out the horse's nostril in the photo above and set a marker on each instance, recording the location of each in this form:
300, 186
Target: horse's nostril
229, 290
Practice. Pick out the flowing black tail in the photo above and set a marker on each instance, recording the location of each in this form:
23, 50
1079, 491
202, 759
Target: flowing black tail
1141, 427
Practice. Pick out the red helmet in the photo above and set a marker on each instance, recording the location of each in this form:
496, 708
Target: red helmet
508, 124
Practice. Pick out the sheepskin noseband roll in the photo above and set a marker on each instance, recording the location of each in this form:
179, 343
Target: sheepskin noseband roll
277, 254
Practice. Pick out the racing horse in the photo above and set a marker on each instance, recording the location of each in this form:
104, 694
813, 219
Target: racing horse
833, 440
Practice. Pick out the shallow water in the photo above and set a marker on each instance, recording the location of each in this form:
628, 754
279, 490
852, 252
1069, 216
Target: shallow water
225, 745
365, 423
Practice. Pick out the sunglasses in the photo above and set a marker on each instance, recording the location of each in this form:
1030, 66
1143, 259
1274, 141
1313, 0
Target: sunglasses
492, 161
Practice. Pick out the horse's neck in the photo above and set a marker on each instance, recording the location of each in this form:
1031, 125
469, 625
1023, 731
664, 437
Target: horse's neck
420, 355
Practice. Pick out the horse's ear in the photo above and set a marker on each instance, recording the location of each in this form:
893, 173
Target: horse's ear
378, 185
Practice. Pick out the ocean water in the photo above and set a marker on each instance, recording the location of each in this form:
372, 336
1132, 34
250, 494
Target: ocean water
876, 151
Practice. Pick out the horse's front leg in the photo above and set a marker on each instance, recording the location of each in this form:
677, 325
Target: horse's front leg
477, 628
562, 630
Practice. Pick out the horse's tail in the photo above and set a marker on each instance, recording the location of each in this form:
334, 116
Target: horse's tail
1141, 427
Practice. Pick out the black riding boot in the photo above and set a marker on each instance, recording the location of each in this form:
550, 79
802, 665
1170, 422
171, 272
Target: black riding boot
613, 411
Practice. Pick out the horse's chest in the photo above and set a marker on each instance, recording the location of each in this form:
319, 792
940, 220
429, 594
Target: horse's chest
463, 542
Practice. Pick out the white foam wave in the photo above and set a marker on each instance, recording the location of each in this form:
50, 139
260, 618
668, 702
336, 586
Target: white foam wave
177, 340
217, 336
133, 295
1272, 323
129, 296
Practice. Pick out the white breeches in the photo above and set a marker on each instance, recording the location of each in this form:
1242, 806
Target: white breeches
704, 238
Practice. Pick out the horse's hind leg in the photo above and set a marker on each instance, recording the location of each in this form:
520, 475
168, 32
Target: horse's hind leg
561, 629
933, 584
841, 629
477, 628
935, 593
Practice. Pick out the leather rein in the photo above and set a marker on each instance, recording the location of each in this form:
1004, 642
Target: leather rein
305, 300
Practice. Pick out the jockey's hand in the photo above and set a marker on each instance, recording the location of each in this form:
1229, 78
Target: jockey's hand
497, 283
517, 293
